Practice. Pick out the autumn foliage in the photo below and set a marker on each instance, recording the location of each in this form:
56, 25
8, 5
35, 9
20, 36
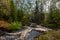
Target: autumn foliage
4, 24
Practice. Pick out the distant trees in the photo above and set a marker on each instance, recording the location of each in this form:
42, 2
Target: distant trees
30, 12
38, 13
13, 12
4, 9
54, 16
12, 15
9, 11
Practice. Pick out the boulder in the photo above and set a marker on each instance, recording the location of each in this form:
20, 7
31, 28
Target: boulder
33, 25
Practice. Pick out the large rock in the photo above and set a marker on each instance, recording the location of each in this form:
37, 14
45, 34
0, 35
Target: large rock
33, 25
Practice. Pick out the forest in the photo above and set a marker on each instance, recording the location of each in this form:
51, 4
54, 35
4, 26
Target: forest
15, 14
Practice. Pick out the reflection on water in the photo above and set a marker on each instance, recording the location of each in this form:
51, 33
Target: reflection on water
32, 34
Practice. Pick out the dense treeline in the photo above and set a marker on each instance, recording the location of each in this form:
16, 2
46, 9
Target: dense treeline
11, 14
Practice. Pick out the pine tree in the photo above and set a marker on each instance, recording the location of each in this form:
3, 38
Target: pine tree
13, 12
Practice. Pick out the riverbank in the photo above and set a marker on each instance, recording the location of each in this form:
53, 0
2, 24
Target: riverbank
25, 34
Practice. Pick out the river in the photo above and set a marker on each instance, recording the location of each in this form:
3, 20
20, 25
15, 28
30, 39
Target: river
27, 34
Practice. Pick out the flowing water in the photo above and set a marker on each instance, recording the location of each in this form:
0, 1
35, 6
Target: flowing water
32, 34
28, 32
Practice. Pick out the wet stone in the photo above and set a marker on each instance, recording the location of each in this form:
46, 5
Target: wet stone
2, 38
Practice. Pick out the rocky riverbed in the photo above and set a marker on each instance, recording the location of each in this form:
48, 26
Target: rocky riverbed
25, 34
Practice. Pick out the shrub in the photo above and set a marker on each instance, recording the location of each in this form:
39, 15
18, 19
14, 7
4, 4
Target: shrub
53, 20
25, 21
15, 26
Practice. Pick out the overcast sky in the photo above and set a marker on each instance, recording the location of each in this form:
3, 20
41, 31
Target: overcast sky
32, 4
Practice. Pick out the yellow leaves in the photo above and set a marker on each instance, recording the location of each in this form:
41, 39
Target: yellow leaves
4, 24
5, 8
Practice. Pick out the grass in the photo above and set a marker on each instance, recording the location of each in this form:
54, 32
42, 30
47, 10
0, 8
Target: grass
15, 26
51, 35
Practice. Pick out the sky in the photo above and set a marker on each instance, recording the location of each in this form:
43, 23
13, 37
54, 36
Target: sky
31, 4
58, 4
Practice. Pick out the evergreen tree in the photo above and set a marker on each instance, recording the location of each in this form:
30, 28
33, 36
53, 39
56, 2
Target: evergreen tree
38, 14
13, 12
4, 9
